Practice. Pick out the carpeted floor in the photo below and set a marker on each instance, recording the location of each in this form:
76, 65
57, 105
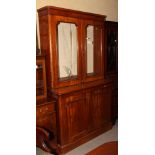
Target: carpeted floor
110, 148
111, 135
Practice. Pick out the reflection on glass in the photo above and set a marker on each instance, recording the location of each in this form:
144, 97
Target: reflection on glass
67, 49
90, 49
39, 80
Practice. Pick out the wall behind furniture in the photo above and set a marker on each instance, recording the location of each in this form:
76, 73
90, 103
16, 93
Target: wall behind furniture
103, 7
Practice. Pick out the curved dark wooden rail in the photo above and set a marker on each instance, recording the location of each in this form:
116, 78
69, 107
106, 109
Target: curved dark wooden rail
44, 140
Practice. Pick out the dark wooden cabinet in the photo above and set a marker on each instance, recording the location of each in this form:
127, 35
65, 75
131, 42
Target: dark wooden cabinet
111, 62
73, 42
41, 89
46, 130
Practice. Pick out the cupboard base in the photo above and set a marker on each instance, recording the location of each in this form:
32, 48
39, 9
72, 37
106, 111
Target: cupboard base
89, 136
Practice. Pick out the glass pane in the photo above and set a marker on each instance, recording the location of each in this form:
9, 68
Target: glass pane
67, 49
39, 80
94, 42
90, 49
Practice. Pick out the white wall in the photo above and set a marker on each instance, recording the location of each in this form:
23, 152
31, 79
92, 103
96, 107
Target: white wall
103, 7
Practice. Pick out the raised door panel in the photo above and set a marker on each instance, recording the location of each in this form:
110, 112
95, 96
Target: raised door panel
107, 101
99, 102
94, 98
74, 114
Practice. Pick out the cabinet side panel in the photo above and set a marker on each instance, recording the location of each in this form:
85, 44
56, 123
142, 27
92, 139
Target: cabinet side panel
45, 47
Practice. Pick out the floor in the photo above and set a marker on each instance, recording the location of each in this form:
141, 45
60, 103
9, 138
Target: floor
111, 135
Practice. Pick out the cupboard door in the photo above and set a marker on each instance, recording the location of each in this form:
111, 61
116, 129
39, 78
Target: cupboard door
66, 51
74, 114
99, 107
94, 97
93, 49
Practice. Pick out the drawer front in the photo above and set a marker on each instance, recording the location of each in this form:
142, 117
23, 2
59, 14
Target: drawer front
73, 97
45, 109
46, 117
47, 122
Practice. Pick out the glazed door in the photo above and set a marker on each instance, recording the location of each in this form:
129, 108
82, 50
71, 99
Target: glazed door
66, 51
41, 92
74, 117
93, 50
